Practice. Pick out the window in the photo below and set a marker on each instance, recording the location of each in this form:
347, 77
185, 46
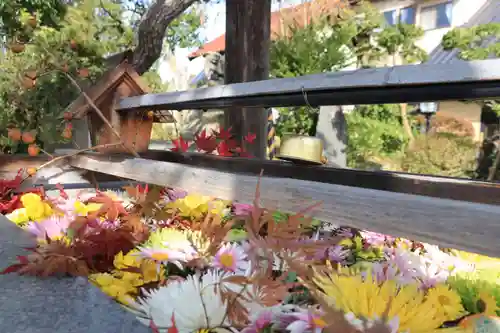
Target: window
437, 16
390, 17
407, 15
403, 15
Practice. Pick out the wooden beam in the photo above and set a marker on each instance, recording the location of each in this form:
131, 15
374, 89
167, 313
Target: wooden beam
401, 84
449, 223
400, 182
248, 25
10, 164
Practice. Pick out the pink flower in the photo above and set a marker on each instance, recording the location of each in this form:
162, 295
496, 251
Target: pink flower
174, 194
231, 258
110, 224
338, 254
344, 232
264, 320
306, 321
374, 238
54, 227
240, 209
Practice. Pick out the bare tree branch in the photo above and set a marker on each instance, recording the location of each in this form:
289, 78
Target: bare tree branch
151, 31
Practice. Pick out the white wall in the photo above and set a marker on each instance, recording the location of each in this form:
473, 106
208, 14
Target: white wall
463, 10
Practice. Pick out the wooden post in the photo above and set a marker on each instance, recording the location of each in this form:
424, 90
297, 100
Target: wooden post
332, 129
248, 25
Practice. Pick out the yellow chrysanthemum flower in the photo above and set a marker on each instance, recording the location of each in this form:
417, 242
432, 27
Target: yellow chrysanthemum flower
366, 297
195, 206
172, 239
18, 216
36, 208
119, 289
148, 270
84, 209
480, 261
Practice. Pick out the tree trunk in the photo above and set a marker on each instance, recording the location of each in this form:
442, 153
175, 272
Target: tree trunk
403, 108
152, 29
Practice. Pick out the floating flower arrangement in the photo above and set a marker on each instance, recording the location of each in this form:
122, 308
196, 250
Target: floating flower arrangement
189, 263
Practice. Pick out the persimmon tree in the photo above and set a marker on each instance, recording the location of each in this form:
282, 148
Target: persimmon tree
34, 84
154, 21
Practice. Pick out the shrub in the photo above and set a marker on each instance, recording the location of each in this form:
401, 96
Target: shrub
441, 154
456, 126
374, 131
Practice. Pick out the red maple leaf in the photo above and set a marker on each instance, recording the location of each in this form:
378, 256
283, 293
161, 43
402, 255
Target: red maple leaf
223, 134
141, 189
181, 145
250, 137
8, 206
205, 143
62, 193
226, 147
241, 152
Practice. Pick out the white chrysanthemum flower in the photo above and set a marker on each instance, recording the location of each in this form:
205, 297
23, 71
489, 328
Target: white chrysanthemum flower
193, 304
392, 325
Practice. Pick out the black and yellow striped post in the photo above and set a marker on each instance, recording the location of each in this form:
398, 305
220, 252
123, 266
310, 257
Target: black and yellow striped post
271, 133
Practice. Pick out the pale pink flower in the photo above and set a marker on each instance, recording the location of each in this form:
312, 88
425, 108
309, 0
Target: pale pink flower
53, 227
338, 254
263, 320
231, 258
240, 209
344, 232
375, 238
306, 322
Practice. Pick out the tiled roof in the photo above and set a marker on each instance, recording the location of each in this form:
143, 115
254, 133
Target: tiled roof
299, 14
489, 13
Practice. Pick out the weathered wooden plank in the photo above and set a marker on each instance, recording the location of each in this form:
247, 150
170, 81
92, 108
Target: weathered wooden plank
437, 187
461, 225
12, 163
410, 83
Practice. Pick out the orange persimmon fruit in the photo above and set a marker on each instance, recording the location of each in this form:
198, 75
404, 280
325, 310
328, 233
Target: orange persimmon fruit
33, 149
31, 171
14, 134
28, 137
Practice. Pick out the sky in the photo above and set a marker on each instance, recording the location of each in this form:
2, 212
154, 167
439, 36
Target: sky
216, 17
214, 27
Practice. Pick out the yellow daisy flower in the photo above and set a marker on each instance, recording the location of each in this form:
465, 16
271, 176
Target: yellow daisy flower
447, 300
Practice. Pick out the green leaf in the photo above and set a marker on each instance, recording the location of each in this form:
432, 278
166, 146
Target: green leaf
236, 235
291, 277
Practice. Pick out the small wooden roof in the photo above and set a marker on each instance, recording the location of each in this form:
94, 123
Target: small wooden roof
123, 73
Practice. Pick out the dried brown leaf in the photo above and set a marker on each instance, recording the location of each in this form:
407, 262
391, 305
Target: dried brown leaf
236, 279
